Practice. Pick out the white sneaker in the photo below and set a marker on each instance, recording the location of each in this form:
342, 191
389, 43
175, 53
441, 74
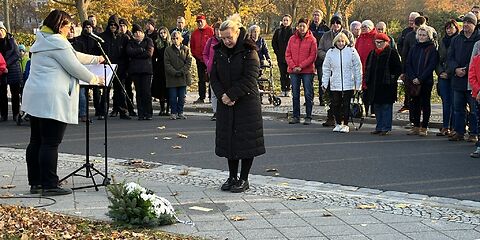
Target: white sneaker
344, 129
337, 128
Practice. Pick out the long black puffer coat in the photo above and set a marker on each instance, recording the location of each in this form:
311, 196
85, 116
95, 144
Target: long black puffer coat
239, 132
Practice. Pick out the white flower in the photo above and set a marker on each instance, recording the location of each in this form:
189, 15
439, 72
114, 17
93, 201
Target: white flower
134, 187
159, 206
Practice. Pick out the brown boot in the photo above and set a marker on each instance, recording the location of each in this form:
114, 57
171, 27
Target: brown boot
422, 132
414, 131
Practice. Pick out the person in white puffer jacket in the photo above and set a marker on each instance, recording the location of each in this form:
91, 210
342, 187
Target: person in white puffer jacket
342, 71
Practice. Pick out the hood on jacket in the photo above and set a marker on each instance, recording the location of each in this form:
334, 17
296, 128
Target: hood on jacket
49, 41
308, 34
113, 19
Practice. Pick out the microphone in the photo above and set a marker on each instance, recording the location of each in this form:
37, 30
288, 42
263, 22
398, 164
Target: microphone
96, 38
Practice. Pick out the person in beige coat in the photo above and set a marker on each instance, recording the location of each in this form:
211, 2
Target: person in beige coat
178, 61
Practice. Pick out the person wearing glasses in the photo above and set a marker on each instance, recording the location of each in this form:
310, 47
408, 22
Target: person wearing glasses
50, 97
381, 73
326, 42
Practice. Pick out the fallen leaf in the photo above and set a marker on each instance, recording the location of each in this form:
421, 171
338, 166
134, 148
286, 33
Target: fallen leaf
284, 184
161, 127
136, 161
271, 170
296, 197
402, 205
184, 172
363, 225
97, 161
6, 195
326, 215
181, 135
237, 218
8, 186
167, 138
174, 194
366, 206
6, 176
156, 138
276, 174
152, 153
177, 147
200, 209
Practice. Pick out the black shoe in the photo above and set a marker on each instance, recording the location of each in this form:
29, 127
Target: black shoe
376, 132
328, 123
384, 133
199, 101
35, 189
214, 117
101, 117
3, 119
294, 120
161, 113
113, 113
307, 121
227, 186
124, 116
148, 118
241, 186
141, 118
322, 103
56, 191
132, 114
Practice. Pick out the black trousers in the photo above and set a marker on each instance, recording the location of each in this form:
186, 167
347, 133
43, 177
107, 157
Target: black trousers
15, 93
284, 77
341, 105
143, 84
98, 101
129, 90
419, 104
202, 84
42, 152
119, 100
367, 103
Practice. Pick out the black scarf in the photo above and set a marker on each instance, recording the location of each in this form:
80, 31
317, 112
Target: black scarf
448, 39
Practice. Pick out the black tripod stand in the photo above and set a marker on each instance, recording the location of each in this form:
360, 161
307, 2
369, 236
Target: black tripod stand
90, 170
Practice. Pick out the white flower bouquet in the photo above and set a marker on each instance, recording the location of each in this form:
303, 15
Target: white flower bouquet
135, 205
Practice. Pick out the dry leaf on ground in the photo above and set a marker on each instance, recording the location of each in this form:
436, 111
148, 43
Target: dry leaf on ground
161, 127
181, 135
366, 206
237, 218
8, 186
177, 147
167, 138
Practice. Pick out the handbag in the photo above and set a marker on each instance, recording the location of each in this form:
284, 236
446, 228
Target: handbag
357, 108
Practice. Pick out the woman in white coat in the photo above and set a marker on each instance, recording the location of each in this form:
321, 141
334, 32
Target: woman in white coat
51, 96
342, 70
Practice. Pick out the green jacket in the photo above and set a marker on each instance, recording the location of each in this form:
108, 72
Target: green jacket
177, 66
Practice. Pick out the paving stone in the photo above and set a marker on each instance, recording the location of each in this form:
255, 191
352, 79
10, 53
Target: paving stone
266, 233
393, 218
251, 223
373, 229
323, 221
287, 222
311, 212
428, 236
388, 237
179, 228
207, 217
349, 237
462, 234
221, 225
445, 226
411, 227
291, 232
335, 230
221, 235
359, 219
267, 206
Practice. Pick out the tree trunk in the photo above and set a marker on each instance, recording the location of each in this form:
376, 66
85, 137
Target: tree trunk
82, 8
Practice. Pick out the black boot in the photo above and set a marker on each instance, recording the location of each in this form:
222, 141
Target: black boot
227, 186
241, 186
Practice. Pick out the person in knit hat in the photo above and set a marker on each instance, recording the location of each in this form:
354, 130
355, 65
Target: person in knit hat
326, 42
150, 30
382, 69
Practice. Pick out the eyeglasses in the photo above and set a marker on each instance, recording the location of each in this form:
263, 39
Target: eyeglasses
337, 22
379, 41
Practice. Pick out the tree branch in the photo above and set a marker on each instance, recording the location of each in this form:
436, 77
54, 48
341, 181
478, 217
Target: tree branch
64, 3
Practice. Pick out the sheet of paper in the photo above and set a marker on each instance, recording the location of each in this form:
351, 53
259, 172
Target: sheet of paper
98, 70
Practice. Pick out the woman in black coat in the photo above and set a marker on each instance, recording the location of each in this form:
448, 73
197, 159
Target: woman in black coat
422, 61
140, 52
381, 73
239, 131
159, 89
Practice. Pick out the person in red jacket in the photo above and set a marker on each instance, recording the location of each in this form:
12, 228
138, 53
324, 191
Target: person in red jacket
3, 65
197, 44
364, 45
301, 54
474, 81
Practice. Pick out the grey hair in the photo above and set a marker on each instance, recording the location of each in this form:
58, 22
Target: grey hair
355, 23
234, 22
177, 33
427, 29
253, 28
414, 14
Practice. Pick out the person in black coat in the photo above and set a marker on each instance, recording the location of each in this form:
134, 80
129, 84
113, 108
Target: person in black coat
140, 52
381, 73
159, 89
114, 46
279, 44
422, 61
239, 125
13, 76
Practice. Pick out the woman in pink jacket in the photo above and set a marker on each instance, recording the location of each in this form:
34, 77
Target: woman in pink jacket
208, 53
300, 56
474, 81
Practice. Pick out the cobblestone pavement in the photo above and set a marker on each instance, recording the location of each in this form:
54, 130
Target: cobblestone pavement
274, 207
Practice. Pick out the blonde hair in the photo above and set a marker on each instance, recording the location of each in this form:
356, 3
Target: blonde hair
177, 34
427, 29
234, 22
339, 37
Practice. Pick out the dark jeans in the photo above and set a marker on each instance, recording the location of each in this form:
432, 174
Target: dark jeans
446, 93
202, 85
341, 105
367, 103
384, 115
284, 77
421, 104
143, 84
460, 101
15, 93
319, 78
98, 101
177, 98
42, 152
307, 80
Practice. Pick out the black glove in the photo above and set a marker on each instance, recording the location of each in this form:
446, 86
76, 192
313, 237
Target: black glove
178, 74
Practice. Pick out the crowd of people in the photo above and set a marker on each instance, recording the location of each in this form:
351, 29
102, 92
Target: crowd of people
363, 59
